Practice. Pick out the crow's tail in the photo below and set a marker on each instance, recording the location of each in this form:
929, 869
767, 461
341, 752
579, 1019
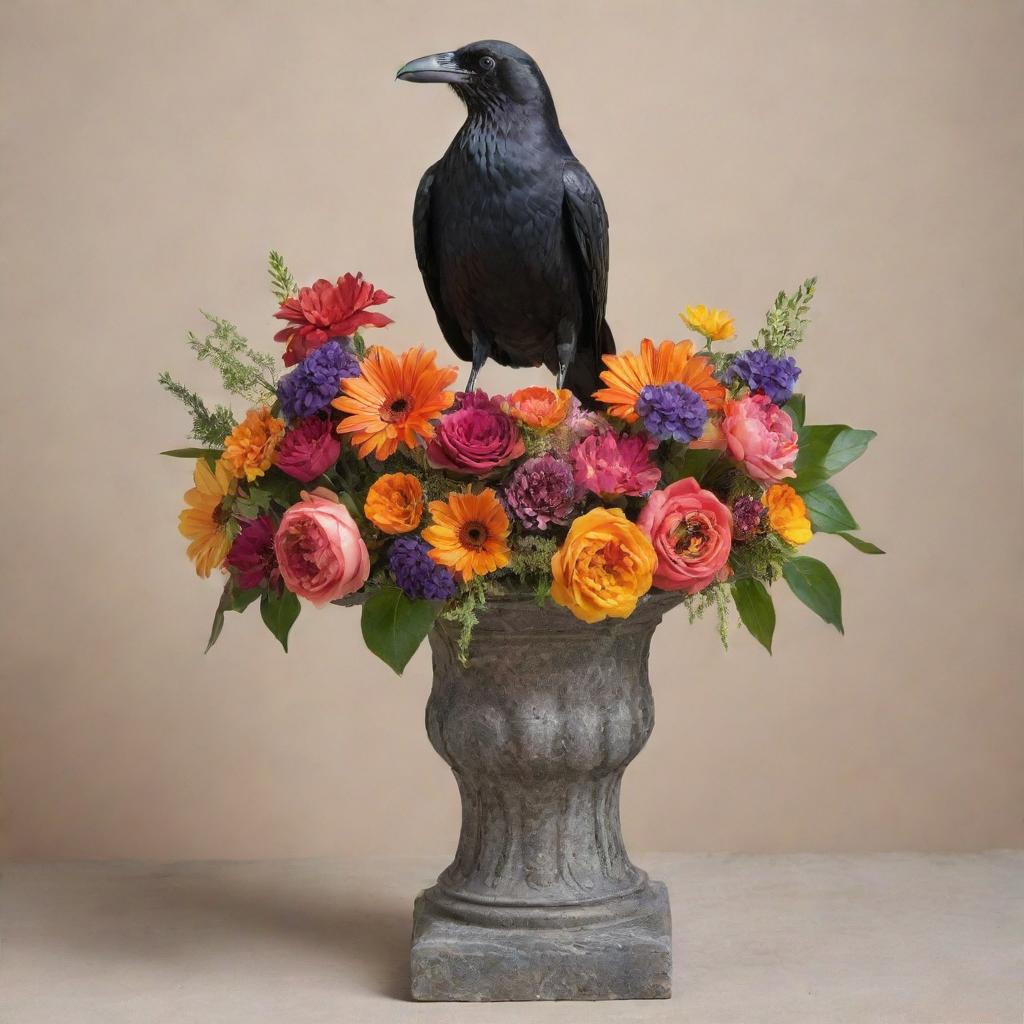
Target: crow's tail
582, 379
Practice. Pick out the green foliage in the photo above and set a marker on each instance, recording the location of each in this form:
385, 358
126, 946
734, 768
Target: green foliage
827, 511
864, 546
787, 320
208, 427
282, 284
231, 600
279, 610
212, 455
797, 409
825, 450
536, 442
716, 596
761, 558
358, 345
813, 583
243, 371
531, 557
464, 609
682, 461
250, 505
757, 610
395, 625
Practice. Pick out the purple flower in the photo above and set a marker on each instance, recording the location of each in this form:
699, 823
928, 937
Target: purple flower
774, 376
252, 554
312, 385
748, 518
416, 573
672, 410
541, 491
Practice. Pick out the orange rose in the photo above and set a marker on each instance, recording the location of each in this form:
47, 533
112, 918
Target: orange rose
540, 408
394, 504
251, 448
604, 567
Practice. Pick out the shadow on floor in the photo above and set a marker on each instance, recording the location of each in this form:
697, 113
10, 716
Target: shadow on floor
214, 921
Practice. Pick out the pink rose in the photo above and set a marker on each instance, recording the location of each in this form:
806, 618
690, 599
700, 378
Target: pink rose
691, 531
761, 437
308, 448
319, 550
613, 464
476, 439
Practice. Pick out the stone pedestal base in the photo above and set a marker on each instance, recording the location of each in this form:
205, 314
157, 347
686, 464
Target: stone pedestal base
622, 951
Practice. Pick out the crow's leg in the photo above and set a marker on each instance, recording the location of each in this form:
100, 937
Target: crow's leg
481, 350
566, 349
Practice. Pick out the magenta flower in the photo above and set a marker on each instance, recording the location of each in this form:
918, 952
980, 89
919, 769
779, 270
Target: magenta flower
540, 492
309, 448
476, 439
252, 555
614, 464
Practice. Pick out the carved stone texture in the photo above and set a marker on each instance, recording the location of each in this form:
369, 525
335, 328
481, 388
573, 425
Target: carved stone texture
542, 900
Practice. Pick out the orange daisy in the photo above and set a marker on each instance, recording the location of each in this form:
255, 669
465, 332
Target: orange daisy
395, 399
470, 534
628, 374
204, 523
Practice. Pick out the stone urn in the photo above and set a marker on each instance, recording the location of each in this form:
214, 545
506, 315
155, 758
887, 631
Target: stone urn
542, 900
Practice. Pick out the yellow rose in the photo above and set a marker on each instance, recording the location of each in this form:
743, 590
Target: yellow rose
714, 324
787, 513
604, 567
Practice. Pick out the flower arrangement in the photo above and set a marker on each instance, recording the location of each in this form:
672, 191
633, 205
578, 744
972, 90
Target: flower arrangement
362, 476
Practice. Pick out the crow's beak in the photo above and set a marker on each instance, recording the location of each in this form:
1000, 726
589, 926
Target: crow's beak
438, 67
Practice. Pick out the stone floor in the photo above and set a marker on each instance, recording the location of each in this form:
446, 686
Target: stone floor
826, 939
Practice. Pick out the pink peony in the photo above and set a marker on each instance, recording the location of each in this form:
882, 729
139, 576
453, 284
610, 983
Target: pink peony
691, 531
613, 464
309, 448
476, 439
761, 437
319, 550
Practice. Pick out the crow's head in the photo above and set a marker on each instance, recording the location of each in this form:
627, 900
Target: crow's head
488, 75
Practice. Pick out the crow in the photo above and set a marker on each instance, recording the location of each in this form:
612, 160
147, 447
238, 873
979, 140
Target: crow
511, 232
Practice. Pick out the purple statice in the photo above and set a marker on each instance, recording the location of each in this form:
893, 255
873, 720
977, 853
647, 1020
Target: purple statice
774, 376
540, 492
416, 573
672, 410
748, 518
312, 385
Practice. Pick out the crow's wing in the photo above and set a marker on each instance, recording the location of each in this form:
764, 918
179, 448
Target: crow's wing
589, 223
426, 259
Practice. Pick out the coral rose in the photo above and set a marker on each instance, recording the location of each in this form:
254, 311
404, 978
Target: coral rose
319, 551
476, 439
394, 504
250, 449
540, 408
691, 531
787, 514
309, 448
604, 567
761, 437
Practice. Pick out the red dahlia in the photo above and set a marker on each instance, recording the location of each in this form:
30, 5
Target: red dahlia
326, 311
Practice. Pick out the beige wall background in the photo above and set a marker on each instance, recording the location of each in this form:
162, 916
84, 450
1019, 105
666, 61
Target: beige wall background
154, 152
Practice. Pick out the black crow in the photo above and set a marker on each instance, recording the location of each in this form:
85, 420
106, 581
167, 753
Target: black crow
511, 232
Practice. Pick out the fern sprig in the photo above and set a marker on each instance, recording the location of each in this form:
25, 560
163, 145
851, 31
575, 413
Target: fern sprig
208, 427
787, 320
243, 371
282, 284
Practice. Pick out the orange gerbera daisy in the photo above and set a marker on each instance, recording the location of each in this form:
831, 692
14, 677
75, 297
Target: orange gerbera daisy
470, 534
395, 399
628, 374
203, 522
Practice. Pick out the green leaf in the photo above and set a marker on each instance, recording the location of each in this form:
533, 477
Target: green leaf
861, 545
241, 599
394, 626
757, 611
796, 407
223, 605
827, 511
279, 612
813, 583
825, 450
210, 454
683, 462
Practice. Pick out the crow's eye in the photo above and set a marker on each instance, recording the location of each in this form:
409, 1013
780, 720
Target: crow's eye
487, 63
